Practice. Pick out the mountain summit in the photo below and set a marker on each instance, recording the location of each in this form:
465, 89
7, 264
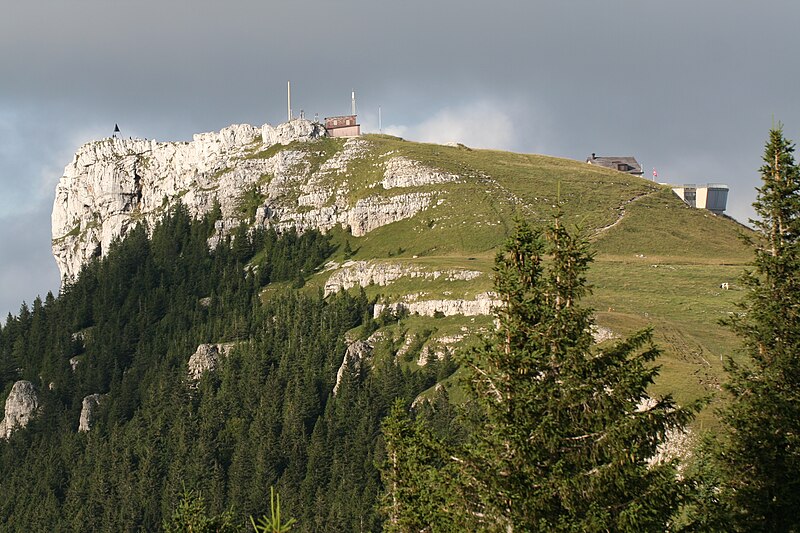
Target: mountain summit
416, 224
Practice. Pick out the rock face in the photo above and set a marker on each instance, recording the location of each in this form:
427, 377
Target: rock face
402, 172
356, 355
206, 358
292, 131
114, 184
21, 405
481, 305
363, 273
88, 411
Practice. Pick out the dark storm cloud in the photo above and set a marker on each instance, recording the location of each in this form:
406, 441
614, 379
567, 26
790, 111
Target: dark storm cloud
688, 87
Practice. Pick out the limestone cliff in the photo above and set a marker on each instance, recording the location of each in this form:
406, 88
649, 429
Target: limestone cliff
364, 273
114, 184
482, 304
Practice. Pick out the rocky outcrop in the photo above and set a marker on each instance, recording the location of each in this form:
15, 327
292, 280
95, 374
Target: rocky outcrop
602, 334
481, 305
402, 172
206, 358
364, 273
294, 130
438, 347
677, 444
89, 411
114, 184
21, 406
356, 356
365, 215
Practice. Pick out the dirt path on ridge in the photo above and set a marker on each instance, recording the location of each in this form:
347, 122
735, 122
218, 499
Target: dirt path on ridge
621, 212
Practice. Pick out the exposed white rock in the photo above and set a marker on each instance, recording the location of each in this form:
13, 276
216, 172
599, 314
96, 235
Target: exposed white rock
354, 148
423, 398
483, 304
437, 347
21, 405
677, 444
88, 411
356, 355
206, 358
295, 130
425, 355
602, 333
113, 185
74, 362
364, 273
451, 339
406, 346
366, 215
402, 172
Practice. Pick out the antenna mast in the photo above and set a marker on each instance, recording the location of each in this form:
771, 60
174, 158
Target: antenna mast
353, 105
289, 99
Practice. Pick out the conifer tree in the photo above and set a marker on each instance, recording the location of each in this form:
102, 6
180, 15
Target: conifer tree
760, 458
563, 431
414, 474
567, 429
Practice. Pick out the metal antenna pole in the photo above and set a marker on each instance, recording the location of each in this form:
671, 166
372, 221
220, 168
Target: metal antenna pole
353, 106
289, 99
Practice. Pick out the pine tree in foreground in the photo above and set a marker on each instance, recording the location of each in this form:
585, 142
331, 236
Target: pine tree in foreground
564, 429
759, 460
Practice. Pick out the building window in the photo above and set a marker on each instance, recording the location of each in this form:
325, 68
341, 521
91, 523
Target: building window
622, 167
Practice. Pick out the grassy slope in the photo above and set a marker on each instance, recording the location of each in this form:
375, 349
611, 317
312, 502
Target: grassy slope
659, 262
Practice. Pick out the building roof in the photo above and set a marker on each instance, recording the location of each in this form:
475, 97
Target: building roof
622, 163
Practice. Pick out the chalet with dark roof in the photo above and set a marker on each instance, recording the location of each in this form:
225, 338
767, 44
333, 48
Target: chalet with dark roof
623, 164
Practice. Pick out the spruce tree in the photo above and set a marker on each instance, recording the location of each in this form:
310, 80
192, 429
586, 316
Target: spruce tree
563, 432
759, 459
565, 429
415, 475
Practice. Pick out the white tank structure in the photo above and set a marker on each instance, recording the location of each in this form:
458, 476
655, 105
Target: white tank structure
712, 196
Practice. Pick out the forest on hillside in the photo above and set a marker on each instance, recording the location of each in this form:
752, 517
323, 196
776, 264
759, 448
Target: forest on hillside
554, 433
266, 418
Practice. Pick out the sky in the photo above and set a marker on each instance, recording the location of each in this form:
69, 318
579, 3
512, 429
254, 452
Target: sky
690, 88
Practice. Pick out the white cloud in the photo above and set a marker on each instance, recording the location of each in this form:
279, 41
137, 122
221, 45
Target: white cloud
480, 124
